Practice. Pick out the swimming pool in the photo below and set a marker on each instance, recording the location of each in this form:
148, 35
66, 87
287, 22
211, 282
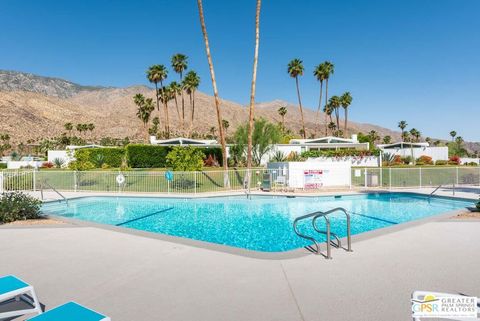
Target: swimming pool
262, 223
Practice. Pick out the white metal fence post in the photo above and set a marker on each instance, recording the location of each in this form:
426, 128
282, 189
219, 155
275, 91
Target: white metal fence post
195, 183
390, 178
420, 173
1, 182
456, 174
34, 177
365, 176
75, 181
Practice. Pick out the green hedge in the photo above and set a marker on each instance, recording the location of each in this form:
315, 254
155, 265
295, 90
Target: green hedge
99, 156
147, 156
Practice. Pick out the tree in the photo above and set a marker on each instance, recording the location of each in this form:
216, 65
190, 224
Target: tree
295, 69
252, 90
179, 65
332, 127
144, 110
335, 103
387, 139
328, 70
373, 136
265, 135
190, 84
157, 74
402, 125
4, 143
320, 74
225, 124
453, 134
176, 89
282, 111
91, 127
415, 135
226, 181
346, 101
328, 110
185, 158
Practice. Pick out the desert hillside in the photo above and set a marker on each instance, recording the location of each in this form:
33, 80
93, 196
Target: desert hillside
33, 106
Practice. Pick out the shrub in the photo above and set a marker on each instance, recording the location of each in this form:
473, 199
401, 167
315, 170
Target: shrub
406, 160
147, 156
18, 206
185, 159
471, 164
58, 162
47, 165
454, 160
419, 163
211, 161
441, 162
99, 156
478, 205
3, 165
81, 166
425, 160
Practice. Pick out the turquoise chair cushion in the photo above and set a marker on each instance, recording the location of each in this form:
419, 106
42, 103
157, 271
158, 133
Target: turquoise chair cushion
70, 311
10, 283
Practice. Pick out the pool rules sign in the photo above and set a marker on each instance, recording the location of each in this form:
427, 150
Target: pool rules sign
313, 178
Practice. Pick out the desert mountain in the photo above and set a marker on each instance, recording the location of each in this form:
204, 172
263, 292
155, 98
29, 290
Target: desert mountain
33, 106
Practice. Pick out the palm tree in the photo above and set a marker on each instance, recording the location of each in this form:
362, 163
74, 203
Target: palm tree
179, 65
79, 128
415, 134
176, 89
346, 101
90, 127
190, 84
144, 110
453, 134
252, 90
335, 103
320, 74
328, 110
226, 181
402, 125
332, 127
329, 69
225, 124
387, 139
157, 74
295, 69
282, 111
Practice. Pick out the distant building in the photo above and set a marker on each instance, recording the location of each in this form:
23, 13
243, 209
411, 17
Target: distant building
405, 149
183, 142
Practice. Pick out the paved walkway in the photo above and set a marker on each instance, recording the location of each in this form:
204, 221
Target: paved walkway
134, 278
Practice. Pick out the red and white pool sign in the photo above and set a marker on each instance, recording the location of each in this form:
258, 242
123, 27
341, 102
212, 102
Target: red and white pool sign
313, 178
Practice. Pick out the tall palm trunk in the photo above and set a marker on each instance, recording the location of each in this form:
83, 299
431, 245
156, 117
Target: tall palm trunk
165, 110
319, 106
183, 102
346, 123
326, 102
301, 109
176, 106
192, 105
337, 117
156, 94
252, 91
226, 181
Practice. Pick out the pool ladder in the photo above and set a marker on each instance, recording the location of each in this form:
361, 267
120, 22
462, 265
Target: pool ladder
337, 243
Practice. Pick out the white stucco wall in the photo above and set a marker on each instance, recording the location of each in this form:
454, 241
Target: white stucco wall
22, 164
355, 161
299, 174
436, 153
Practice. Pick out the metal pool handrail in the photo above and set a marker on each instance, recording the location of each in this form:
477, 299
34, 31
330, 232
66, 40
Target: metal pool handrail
53, 189
317, 215
328, 232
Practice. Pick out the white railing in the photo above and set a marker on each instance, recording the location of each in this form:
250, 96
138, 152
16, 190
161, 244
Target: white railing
213, 181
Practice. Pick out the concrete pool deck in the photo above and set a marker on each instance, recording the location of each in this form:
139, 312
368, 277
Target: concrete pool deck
134, 278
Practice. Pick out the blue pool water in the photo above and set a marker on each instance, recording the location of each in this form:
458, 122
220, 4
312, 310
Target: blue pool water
262, 223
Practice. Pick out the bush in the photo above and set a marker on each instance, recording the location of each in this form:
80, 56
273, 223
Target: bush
98, 156
58, 162
406, 160
340, 153
81, 166
18, 206
185, 159
147, 156
47, 165
425, 160
3, 165
478, 205
454, 160
471, 164
441, 162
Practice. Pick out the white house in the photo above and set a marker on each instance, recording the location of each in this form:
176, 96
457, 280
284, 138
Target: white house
182, 141
405, 149
323, 143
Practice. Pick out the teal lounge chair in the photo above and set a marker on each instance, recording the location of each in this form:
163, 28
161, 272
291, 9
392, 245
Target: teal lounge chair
12, 287
70, 311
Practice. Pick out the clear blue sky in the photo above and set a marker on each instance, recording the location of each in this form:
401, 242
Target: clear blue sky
413, 60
